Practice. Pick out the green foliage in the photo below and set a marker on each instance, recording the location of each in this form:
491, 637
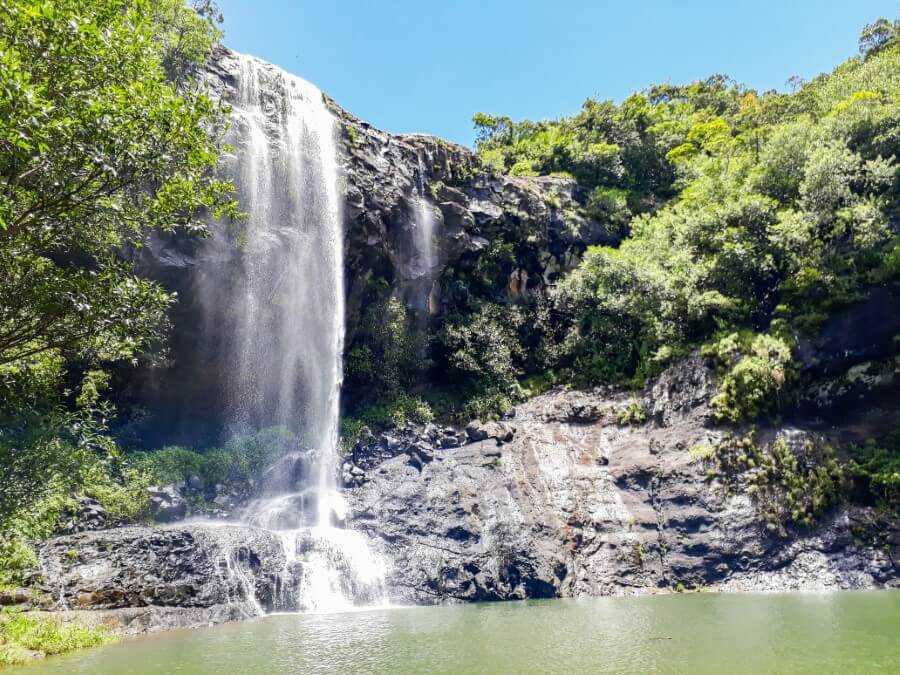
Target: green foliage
747, 213
396, 412
876, 466
879, 35
386, 353
483, 348
37, 521
25, 637
702, 452
756, 374
782, 217
243, 457
632, 414
32, 511
105, 136
86, 108
605, 146
171, 464
124, 497
612, 306
791, 483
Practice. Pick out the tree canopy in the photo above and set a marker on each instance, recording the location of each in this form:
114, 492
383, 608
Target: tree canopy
106, 135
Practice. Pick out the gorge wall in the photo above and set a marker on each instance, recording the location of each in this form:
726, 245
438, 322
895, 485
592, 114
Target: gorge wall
388, 181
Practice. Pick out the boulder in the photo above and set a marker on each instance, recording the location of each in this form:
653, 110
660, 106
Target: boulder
88, 515
167, 504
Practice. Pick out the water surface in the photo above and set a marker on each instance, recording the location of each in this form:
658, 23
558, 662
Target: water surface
846, 632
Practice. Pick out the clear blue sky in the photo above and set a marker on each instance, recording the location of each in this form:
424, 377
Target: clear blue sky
427, 66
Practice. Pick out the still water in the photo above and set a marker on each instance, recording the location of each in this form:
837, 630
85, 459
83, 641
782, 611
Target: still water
845, 632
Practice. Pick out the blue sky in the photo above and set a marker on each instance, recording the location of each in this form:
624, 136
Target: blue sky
427, 66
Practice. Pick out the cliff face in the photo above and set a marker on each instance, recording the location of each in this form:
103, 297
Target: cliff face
565, 498
393, 188
571, 495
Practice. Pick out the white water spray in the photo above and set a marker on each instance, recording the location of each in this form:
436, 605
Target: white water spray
424, 221
279, 297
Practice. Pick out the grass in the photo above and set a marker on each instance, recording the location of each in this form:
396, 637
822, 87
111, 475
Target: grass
24, 638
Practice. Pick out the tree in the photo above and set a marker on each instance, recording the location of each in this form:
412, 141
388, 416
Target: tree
104, 137
878, 35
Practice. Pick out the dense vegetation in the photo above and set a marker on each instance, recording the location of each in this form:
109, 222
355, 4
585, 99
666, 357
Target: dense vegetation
747, 219
105, 136
750, 218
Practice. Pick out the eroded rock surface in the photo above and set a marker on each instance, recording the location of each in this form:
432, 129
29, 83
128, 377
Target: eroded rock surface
575, 503
140, 566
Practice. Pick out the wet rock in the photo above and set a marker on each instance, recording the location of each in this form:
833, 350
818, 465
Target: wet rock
87, 516
167, 504
142, 566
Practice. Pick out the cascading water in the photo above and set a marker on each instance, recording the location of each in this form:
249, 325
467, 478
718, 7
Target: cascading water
275, 290
423, 221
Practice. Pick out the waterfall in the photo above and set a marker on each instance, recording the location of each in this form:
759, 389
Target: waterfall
272, 287
425, 255
424, 221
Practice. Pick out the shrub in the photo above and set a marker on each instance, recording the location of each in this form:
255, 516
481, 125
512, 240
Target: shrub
633, 414
483, 350
876, 465
125, 499
171, 464
393, 413
387, 353
791, 482
24, 637
757, 371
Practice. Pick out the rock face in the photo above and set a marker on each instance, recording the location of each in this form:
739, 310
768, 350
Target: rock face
191, 566
573, 503
167, 504
88, 515
574, 494
391, 184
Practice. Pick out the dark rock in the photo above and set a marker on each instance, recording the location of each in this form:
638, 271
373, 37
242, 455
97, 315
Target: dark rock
167, 504
188, 567
195, 483
569, 507
862, 332
87, 516
476, 431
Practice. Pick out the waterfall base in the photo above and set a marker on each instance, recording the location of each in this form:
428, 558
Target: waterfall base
212, 565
